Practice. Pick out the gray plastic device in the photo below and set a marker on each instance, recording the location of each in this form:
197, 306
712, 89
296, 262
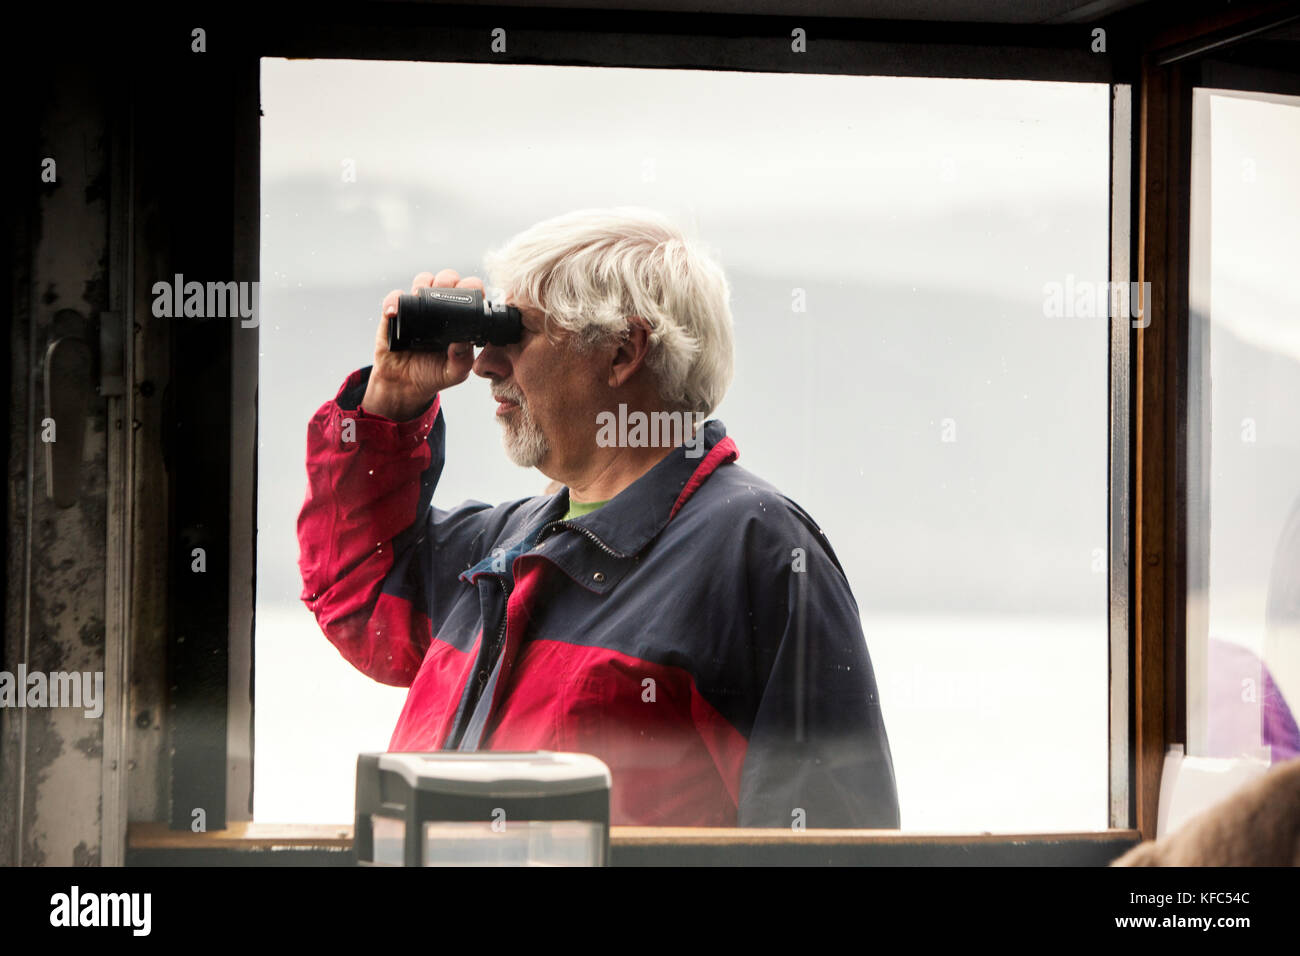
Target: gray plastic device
488, 808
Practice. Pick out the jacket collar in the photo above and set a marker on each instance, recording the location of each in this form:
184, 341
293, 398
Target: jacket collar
601, 547
636, 515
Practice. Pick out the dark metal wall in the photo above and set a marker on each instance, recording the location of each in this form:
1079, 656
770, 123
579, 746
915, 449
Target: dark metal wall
55, 608
144, 132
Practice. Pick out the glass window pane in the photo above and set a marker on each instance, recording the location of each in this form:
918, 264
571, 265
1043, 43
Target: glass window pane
917, 270
1244, 447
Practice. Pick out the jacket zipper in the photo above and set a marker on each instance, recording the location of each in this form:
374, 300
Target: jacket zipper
583, 531
505, 609
481, 679
537, 540
496, 645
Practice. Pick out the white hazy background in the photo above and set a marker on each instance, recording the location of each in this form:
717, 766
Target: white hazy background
921, 217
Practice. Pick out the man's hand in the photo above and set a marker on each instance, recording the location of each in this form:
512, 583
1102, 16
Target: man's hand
402, 383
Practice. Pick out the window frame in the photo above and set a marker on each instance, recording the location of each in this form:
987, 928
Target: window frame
210, 632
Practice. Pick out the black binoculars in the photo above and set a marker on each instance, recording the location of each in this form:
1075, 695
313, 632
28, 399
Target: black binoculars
435, 317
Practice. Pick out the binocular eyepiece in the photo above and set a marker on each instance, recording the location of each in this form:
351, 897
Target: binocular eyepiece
437, 316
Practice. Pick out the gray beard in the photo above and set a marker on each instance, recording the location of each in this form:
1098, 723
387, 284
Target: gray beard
524, 442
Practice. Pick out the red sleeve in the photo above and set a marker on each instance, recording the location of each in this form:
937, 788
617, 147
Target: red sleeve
358, 551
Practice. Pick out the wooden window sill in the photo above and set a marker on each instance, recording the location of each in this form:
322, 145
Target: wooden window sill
255, 844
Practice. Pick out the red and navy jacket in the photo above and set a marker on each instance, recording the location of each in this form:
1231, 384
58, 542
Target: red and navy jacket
696, 633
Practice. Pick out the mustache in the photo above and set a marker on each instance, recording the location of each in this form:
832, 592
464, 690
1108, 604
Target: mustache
506, 394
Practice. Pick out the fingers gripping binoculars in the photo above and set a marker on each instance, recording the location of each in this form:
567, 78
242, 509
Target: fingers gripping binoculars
435, 317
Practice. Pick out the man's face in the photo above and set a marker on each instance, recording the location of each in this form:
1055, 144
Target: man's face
548, 397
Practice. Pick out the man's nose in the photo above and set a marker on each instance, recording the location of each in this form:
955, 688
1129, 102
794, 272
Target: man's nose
492, 362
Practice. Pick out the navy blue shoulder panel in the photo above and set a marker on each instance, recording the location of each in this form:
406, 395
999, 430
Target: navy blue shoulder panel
718, 592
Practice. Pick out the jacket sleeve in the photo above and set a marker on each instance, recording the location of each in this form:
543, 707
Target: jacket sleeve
379, 563
818, 754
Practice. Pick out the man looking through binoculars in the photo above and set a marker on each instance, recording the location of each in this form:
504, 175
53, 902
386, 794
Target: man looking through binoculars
674, 615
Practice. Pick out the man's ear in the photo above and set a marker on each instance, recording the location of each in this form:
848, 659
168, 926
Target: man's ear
630, 352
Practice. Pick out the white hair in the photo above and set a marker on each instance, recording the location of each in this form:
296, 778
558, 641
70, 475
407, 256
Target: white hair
589, 271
